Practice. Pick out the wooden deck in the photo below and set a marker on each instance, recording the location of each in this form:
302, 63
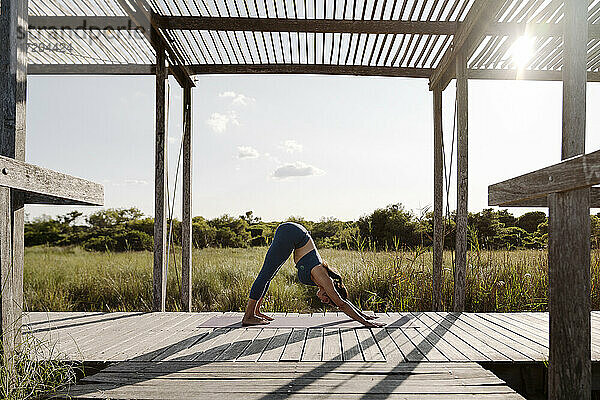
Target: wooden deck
422, 355
434, 337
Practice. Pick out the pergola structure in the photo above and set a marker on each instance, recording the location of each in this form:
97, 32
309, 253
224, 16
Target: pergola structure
439, 40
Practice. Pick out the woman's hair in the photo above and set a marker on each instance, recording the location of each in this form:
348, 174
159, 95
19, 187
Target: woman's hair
337, 281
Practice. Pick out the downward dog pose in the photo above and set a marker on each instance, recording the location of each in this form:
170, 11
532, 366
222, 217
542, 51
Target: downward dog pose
312, 270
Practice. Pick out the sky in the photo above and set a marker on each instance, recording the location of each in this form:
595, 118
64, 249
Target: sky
291, 145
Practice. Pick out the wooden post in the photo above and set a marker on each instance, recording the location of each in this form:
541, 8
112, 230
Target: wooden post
186, 225
13, 95
569, 372
438, 200
160, 188
462, 181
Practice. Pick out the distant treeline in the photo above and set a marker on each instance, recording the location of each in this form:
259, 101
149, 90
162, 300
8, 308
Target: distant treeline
389, 228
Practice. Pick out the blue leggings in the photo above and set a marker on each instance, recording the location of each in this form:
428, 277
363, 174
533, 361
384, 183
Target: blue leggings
288, 237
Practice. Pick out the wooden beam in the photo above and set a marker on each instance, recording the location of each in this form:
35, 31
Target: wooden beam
570, 367
305, 25
326, 69
534, 29
251, 24
317, 69
91, 69
575, 173
438, 200
41, 184
326, 25
160, 188
186, 220
471, 31
525, 75
13, 95
462, 181
543, 201
69, 22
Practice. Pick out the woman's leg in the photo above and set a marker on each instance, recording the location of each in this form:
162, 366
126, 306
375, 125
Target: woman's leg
278, 253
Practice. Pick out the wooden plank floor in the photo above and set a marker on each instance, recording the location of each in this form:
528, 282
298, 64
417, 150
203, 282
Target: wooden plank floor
220, 380
430, 337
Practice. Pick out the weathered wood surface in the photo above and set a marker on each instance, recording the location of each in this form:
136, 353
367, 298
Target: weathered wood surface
306, 25
80, 22
91, 69
337, 380
435, 336
438, 201
159, 278
462, 183
356, 70
325, 25
574, 173
186, 221
326, 69
569, 284
44, 186
13, 95
543, 201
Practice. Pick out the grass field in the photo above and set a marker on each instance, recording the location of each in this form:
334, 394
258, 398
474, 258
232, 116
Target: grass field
71, 279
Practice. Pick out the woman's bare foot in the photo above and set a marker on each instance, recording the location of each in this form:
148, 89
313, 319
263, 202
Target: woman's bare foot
263, 316
254, 320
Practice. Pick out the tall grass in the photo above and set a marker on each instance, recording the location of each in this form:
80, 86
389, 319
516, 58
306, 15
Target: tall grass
34, 370
71, 279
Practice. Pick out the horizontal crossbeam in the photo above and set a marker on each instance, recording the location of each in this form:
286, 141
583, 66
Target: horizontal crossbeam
575, 173
91, 69
543, 201
326, 69
306, 25
296, 25
44, 186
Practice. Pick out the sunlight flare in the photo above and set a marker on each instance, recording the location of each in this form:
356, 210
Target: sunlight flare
521, 51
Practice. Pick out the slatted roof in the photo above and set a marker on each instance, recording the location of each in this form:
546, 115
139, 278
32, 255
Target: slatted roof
407, 38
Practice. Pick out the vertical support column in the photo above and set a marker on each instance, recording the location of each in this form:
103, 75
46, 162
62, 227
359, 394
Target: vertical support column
160, 188
13, 95
186, 224
438, 200
569, 372
462, 181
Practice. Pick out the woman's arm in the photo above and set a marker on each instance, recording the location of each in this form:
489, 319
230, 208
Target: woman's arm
323, 280
362, 314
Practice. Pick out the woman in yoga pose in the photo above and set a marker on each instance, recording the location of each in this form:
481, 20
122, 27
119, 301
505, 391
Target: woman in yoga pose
291, 237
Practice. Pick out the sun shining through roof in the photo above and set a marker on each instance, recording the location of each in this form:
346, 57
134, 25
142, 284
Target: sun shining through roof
521, 51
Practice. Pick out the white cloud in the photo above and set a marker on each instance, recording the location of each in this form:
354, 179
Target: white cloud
220, 122
238, 98
247, 152
296, 169
291, 146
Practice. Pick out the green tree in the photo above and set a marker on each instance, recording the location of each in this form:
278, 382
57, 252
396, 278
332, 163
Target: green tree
530, 221
506, 218
487, 225
387, 225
